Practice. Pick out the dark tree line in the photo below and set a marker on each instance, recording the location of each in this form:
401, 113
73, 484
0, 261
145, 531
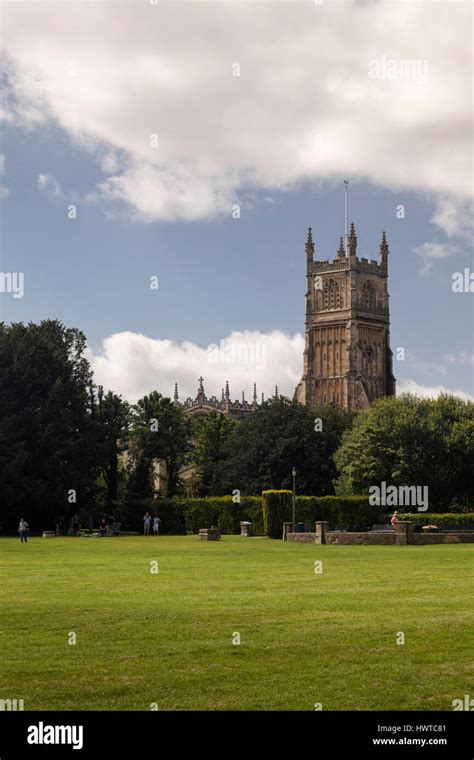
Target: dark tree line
67, 448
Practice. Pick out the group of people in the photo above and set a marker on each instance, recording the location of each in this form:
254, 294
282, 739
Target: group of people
149, 521
69, 527
109, 527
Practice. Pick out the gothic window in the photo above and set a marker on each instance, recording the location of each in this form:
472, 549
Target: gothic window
368, 295
332, 298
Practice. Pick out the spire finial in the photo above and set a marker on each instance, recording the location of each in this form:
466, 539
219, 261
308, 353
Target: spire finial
263, 398
276, 391
352, 241
176, 396
243, 397
255, 393
309, 247
227, 394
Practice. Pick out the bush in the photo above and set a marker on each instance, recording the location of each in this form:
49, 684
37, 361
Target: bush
276, 507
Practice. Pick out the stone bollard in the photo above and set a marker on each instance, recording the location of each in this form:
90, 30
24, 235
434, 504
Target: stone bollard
320, 528
403, 532
287, 528
246, 528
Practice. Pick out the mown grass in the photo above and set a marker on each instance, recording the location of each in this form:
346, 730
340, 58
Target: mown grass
166, 638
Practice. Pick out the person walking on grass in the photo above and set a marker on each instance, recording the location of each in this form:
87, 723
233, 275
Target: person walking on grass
156, 525
146, 524
23, 529
394, 520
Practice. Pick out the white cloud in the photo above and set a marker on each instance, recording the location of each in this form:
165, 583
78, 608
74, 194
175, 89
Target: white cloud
425, 391
454, 218
48, 184
431, 252
133, 365
303, 107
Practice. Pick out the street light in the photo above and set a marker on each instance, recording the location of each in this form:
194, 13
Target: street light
293, 472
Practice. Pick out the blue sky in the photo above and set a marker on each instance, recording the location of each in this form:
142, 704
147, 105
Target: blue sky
218, 275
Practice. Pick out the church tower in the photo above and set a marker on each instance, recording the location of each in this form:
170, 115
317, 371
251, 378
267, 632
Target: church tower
347, 356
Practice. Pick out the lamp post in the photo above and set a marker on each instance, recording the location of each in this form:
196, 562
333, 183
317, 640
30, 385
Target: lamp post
293, 472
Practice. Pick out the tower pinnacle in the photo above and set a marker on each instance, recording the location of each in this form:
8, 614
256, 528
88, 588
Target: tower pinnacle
352, 241
309, 247
341, 254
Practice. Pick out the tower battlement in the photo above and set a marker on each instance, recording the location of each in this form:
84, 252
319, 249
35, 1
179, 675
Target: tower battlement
339, 265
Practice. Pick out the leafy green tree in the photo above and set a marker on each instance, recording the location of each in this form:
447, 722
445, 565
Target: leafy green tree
280, 435
161, 432
114, 418
49, 436
411, 441
210, 434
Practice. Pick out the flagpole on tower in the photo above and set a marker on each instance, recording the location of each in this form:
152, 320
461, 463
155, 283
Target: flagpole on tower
346, 214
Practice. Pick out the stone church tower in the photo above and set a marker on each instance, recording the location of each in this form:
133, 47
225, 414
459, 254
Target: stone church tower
347, 356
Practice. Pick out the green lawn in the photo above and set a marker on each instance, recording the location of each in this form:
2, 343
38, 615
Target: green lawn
166, 638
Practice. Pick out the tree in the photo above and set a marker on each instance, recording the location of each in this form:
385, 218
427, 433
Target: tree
161, 432
411, 441
210, 435
281, 434
48, 432
114, 421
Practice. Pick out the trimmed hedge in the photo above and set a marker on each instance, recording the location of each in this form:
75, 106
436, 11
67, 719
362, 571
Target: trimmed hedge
181, 515
443, 521
268, 512
341, 512
276, 506
221, 511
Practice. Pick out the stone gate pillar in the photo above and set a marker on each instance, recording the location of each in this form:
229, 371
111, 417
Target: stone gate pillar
403, 532
320, 529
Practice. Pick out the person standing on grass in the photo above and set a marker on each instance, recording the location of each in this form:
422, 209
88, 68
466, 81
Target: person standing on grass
394, 520
156, 525
23, 529
146, 524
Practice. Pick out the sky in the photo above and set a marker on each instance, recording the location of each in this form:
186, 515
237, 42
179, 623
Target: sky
160, 164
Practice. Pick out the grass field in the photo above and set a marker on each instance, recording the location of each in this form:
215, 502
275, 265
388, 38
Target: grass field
166, 638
